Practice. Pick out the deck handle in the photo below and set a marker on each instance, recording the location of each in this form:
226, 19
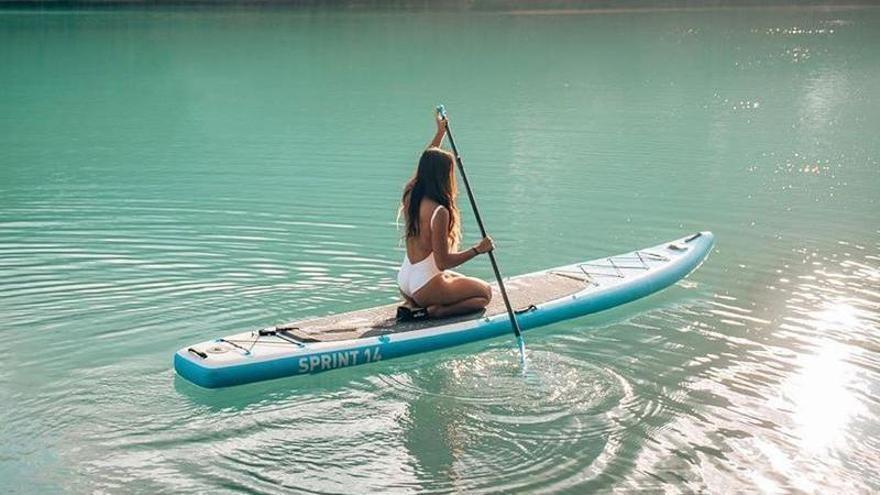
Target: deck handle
198, 353
695, 236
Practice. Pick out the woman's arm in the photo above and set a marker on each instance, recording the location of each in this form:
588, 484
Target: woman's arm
440, 134
440, 244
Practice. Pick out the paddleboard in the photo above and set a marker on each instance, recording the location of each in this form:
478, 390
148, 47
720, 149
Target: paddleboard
366, 336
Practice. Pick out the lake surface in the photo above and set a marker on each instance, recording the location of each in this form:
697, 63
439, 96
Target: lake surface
167, 177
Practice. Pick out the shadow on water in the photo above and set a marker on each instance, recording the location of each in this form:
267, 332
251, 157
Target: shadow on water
243, 397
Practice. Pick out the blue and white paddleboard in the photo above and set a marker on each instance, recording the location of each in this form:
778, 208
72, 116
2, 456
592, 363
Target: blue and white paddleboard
371, 335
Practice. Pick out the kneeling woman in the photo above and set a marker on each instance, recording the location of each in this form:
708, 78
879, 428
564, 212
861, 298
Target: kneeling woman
433, 231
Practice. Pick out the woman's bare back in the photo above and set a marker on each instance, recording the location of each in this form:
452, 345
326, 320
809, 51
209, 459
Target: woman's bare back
419, 247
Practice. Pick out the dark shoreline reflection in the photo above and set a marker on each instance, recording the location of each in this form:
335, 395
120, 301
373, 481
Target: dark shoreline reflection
473, 6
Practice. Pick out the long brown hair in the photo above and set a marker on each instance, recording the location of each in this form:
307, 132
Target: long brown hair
434, 179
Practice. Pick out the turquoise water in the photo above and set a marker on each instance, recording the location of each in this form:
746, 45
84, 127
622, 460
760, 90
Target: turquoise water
168, 177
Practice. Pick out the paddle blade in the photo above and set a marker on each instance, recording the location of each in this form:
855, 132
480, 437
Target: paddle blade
441, 111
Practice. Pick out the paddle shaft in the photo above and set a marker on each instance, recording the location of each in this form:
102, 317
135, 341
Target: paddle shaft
467, 187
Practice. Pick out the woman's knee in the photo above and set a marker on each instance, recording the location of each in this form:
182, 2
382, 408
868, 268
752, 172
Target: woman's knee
487, 292
480, 288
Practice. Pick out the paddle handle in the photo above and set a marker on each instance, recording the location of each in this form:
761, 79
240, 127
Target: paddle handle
467, 186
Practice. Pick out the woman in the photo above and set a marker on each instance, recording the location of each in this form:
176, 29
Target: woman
433, 231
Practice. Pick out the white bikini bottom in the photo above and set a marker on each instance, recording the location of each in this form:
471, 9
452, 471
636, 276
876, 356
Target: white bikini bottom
413, 277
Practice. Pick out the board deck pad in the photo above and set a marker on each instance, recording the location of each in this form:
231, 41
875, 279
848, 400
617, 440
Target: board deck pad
523, 292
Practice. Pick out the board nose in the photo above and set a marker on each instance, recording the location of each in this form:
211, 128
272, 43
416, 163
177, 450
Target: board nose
708, 236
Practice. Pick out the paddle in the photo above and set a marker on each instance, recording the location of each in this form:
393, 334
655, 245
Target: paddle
513, 323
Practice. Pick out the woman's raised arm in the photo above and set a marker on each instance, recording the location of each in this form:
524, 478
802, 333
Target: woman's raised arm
440, 134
